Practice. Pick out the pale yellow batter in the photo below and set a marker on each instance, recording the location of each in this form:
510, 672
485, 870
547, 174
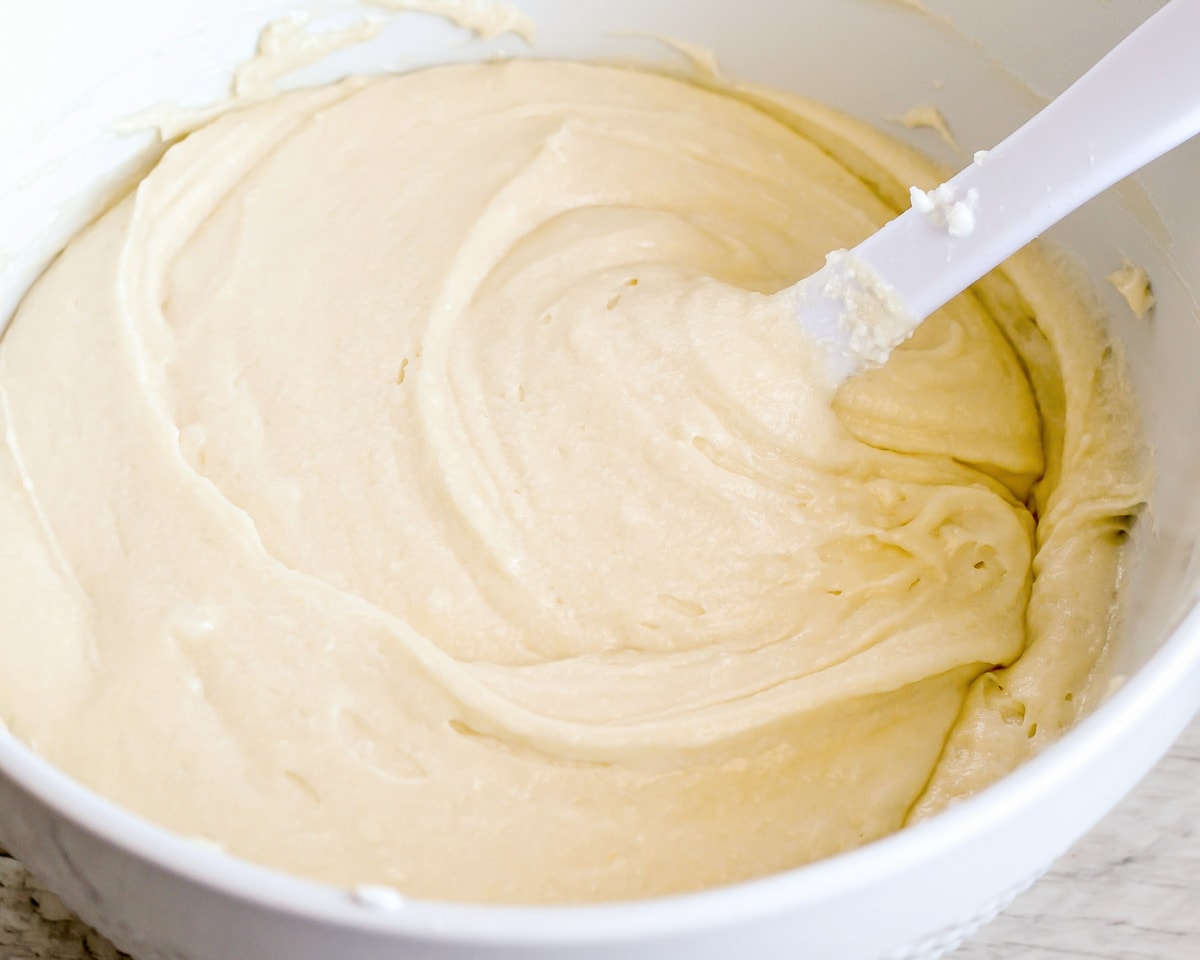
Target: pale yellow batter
409, 484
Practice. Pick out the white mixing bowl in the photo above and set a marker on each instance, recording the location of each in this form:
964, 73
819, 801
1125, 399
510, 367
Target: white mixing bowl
71, 70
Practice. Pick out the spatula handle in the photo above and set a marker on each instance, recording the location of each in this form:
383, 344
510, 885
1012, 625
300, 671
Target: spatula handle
1137, 103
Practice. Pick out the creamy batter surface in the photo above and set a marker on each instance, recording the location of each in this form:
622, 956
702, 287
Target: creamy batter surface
410, 484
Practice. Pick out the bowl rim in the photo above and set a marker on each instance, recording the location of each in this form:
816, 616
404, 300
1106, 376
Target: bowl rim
720, 907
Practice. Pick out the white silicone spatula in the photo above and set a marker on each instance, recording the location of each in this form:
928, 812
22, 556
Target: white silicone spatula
1140, 101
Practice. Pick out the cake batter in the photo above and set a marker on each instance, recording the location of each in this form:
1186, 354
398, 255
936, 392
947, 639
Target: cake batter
412, 482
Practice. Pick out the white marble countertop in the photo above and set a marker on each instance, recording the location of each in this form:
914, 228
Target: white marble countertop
1129, 891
